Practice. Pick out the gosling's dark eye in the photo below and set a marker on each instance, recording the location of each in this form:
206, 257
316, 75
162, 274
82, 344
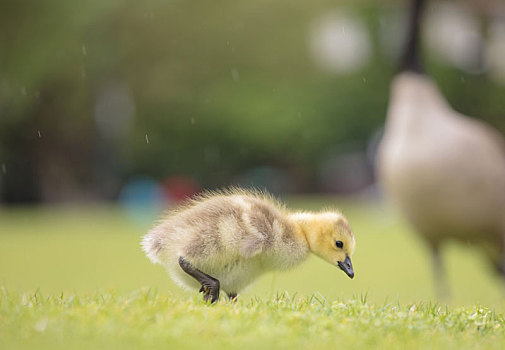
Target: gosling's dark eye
339, 244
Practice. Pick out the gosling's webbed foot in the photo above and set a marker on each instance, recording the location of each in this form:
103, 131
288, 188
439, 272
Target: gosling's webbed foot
210, 285
210, 292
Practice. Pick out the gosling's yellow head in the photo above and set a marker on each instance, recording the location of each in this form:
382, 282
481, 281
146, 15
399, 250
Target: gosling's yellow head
329, 236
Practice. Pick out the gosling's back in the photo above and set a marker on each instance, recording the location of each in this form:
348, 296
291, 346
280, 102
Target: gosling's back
232, 236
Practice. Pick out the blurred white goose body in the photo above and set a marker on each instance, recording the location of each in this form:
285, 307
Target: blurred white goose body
445, 171
226, 240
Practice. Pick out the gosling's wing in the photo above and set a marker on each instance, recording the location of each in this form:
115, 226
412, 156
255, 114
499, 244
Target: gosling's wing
250, 247
259, 222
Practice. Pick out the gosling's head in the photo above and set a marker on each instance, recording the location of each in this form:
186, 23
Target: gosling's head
329, 236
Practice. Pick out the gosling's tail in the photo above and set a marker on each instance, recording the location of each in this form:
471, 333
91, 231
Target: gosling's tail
152, 245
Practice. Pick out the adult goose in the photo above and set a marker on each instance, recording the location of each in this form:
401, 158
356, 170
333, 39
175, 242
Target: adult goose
445, 171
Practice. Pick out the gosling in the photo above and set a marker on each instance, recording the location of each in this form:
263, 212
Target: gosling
225, 240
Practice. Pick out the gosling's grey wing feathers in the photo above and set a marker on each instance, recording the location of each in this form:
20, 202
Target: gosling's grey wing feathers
223, 226
250, 247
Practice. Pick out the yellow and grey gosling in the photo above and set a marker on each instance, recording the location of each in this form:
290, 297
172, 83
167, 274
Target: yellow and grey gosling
225, 240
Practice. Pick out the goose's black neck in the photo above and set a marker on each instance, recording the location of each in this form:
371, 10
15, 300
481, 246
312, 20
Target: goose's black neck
411, 59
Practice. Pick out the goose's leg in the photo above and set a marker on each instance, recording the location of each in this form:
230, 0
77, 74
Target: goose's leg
441, 286
500, 265
210, 285
500, 268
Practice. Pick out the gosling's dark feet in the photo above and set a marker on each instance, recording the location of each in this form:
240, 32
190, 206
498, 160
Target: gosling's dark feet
210, 291
210, 285
233, 297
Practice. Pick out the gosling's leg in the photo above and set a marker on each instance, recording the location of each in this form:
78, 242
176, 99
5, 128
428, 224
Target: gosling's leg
233, 297
210, 285
441, 285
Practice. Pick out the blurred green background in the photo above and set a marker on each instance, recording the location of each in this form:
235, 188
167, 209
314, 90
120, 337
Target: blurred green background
142, 103
88, 249
282, 95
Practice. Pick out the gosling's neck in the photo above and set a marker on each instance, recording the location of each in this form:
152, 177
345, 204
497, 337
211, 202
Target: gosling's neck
291, 249
304, 223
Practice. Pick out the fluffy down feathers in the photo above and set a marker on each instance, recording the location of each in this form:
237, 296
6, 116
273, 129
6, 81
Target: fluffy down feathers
232, 236
236, 235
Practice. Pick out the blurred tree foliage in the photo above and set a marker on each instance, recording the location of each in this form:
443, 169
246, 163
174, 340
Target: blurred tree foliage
217, 88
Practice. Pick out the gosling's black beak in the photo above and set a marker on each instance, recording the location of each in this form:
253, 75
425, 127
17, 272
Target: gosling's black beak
346, 266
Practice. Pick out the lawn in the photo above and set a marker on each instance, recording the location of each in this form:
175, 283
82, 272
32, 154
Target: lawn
76, 278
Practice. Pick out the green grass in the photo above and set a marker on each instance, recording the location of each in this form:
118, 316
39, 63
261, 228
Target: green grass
76, 278
144, 319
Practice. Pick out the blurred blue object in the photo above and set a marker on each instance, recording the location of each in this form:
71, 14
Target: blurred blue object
143, 199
